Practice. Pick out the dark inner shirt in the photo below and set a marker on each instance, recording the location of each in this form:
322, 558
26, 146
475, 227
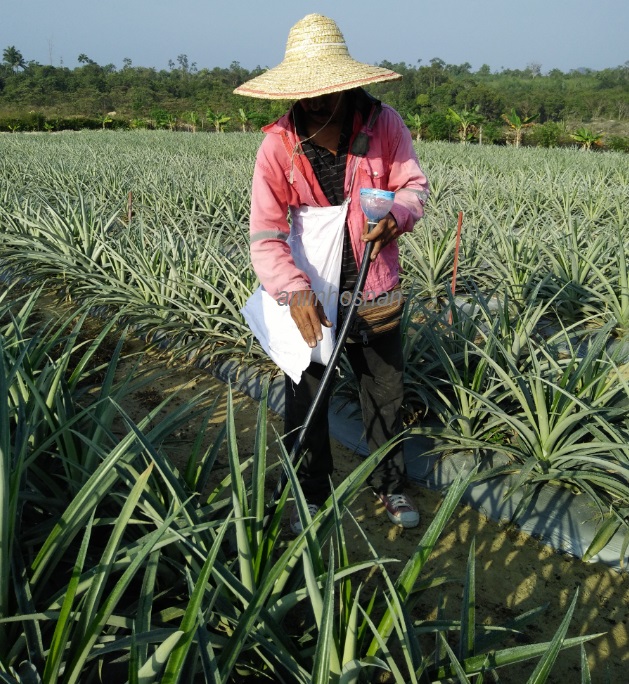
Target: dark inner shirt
329, 170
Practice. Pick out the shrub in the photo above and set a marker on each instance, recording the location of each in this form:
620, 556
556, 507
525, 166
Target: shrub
438, 127
11, 123
548, 134
77, 123
493, 134
617, 143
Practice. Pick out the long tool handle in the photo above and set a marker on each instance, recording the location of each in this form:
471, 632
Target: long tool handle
325, 380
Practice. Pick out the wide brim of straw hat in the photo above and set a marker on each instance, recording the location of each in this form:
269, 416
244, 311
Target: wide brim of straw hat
316, 62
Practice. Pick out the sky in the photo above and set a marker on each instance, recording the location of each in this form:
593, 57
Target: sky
555, 34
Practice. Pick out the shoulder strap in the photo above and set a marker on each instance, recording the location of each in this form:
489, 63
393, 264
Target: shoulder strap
294, 156
360, 146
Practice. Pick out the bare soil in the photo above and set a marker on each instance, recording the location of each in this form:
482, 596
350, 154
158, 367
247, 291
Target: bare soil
514, 573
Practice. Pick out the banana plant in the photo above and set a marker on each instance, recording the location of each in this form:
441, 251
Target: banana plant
587, 138
465, 121
244, 119
416, 122
192, 118
518, 124
217, 120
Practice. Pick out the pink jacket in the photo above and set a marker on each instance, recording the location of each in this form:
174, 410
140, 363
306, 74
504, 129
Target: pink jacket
282, 179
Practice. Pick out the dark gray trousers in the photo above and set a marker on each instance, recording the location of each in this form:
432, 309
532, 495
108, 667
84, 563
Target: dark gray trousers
378, 367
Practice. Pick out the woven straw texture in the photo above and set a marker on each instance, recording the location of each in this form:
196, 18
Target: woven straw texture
316, 62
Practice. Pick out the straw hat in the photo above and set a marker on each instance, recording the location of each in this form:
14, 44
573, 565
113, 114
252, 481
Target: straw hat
316, 62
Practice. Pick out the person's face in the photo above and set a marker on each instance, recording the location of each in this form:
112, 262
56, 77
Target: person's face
323, 108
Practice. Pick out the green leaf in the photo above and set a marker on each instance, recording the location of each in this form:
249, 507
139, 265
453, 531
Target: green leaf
326, 660
189, 622
98, 621
66, 621
142, 622
602, 537
545, 665
152, 668
586, 677
456, 665
416, 562
467, 641
510, 656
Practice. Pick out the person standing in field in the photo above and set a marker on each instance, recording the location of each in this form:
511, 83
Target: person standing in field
334, 140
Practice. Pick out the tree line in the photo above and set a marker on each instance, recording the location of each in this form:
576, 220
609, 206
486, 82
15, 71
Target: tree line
439, 101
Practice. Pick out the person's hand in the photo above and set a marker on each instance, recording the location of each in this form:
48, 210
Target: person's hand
382, 234
307, 312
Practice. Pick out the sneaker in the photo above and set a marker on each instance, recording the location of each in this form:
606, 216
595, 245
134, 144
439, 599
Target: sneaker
295, 522
400, 509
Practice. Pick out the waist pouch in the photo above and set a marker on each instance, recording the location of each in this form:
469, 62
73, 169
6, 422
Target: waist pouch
374, 316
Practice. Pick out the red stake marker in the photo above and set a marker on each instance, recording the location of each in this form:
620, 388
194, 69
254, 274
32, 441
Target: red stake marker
457, 245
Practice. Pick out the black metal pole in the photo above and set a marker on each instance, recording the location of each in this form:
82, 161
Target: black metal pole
325, 380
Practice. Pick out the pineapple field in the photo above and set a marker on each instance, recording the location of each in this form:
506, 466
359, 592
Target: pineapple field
131, 538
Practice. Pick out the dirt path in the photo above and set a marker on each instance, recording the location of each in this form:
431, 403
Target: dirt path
514, 573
